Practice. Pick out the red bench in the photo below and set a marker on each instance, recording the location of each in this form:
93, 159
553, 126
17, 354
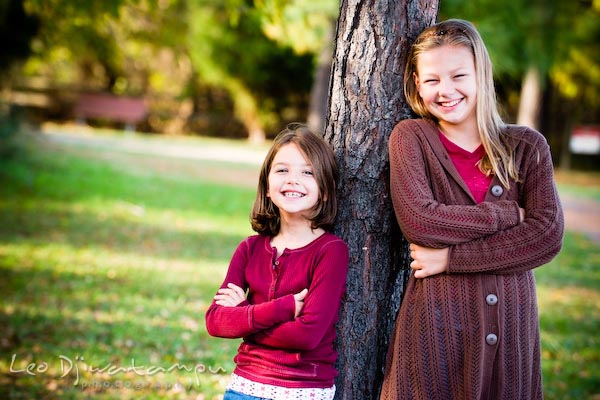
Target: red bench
128, 110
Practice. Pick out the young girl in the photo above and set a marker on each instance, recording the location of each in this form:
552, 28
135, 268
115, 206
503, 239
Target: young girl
284, 286
477, 202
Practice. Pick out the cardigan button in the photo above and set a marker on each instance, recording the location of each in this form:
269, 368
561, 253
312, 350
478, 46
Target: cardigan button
497, 190
491, 299
491, 339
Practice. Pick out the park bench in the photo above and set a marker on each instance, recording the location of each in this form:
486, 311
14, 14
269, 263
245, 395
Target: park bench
127, 110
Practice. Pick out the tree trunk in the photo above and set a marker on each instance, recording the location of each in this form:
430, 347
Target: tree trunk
245, 108
365, 102
317, 112
531, 97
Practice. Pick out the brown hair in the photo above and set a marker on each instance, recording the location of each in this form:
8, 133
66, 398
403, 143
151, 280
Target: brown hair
264, 216
499, 158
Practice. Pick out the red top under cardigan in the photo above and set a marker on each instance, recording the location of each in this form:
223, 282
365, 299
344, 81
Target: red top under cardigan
466, 163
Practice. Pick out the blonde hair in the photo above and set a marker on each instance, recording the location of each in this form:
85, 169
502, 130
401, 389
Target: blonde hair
264, 217
499, 158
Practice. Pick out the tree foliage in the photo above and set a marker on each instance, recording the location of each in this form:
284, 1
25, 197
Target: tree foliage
306, 26
111, 45
303, 25
229, 49
132, 47
76, 30
263, 53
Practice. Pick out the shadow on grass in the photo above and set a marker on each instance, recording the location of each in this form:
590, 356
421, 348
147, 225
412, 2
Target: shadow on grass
116, 233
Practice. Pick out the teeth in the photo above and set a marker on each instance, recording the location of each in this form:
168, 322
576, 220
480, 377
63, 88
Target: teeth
293, 194
450, 103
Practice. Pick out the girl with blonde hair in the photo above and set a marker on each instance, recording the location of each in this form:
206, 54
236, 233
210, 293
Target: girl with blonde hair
477, 202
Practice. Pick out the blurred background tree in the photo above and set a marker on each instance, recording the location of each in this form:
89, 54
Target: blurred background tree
16, 31
307, 26
268, 79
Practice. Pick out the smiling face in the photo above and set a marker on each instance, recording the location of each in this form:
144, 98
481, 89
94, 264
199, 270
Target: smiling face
292, 186
446, 81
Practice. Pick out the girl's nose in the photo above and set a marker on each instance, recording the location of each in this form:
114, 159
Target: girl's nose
446, 87
293, 179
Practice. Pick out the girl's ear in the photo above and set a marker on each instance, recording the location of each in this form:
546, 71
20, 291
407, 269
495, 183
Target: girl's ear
417, 82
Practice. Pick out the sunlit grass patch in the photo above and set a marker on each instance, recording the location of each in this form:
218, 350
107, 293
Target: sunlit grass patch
569, 301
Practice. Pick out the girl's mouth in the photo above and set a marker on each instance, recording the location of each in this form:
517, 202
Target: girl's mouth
293, 194
451, 103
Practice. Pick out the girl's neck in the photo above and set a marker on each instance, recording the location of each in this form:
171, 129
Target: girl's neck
294, 236
465, 136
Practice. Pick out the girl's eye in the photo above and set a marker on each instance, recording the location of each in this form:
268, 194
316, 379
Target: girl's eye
309, 173
280, 170
430, 81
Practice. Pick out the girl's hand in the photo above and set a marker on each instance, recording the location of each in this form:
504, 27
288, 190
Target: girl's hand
521, 214
299, 298
230, 296
428, 261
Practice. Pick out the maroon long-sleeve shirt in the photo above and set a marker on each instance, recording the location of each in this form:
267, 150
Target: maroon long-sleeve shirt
278, 349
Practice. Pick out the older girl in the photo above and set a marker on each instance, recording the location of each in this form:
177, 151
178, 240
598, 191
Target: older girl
476, 199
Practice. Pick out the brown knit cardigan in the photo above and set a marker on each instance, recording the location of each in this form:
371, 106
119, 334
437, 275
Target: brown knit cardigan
473, 332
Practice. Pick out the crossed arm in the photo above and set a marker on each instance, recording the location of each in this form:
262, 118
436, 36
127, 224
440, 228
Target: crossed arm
299, 320
428, 261
500, 236
233, 295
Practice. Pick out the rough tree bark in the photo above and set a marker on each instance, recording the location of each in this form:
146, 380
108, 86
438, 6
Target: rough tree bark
365, 102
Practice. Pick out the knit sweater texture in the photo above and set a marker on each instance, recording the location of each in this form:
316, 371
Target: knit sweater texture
472, 332
278, 349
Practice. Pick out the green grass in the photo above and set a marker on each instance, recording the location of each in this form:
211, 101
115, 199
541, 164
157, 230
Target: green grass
108, 261
569, 301
105, 264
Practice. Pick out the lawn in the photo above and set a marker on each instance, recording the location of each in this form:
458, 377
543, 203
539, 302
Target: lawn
109, 259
